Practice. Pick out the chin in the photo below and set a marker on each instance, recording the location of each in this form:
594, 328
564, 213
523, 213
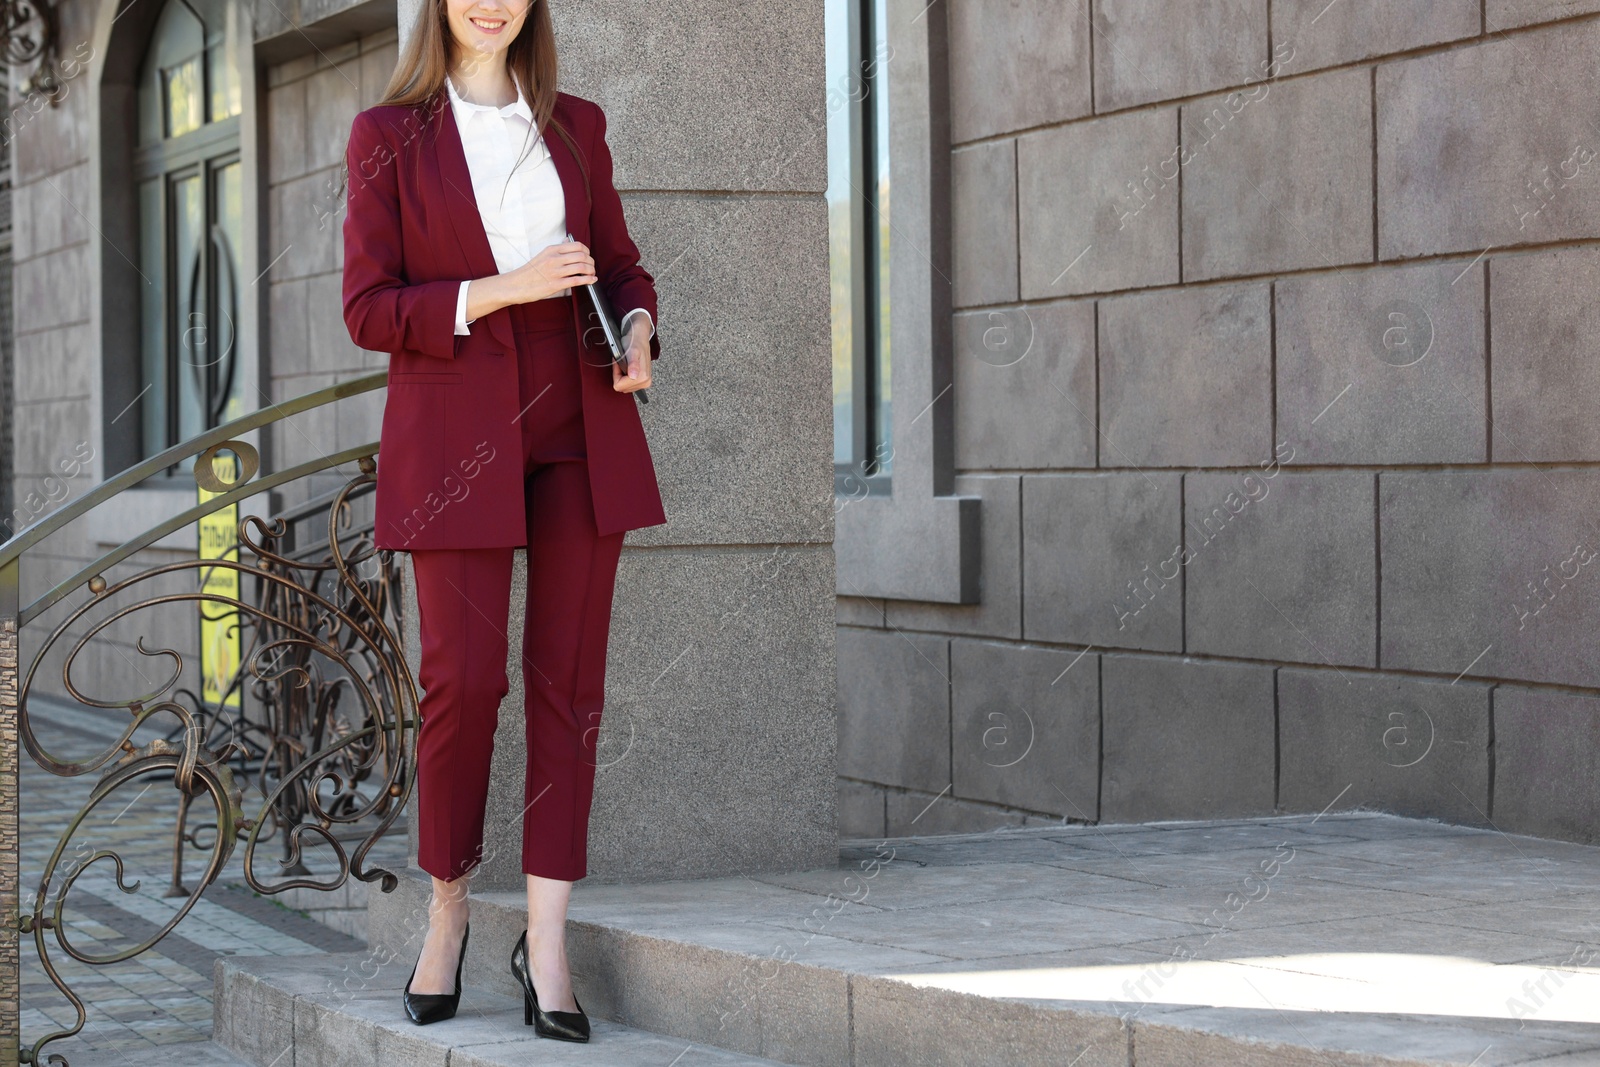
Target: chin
483, 47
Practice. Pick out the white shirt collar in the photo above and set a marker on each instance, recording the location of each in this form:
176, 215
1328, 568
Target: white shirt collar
465, 108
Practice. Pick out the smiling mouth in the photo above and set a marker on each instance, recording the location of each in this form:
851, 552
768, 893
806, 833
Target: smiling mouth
489, 25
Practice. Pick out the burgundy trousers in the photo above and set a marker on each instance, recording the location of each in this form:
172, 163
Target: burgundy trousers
463, 600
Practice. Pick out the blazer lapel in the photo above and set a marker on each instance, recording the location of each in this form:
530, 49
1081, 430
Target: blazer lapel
572, 188
461, 208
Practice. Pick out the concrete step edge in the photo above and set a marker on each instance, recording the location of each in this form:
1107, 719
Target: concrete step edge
335, 1009
819, 1016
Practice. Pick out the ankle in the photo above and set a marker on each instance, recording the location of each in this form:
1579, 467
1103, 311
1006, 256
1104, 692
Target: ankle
549, 962
449, 915
546, 940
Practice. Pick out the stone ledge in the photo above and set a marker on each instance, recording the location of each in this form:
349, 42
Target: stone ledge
268, 1004
979, 949
309, 28
208, 1053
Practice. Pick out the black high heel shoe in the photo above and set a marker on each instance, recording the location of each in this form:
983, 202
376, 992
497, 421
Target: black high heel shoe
425, 1008
561, 1025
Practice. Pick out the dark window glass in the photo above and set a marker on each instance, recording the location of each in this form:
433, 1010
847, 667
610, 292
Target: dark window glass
858, 216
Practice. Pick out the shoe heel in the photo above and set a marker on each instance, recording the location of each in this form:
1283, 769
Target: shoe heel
527, 1009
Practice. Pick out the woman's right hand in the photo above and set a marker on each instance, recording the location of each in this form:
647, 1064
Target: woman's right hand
556, 268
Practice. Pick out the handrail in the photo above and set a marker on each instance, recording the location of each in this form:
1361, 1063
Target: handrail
317, 504
31, 535
177, 522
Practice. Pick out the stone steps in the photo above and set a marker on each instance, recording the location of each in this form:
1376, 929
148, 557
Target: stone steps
183, 1054
333, 1011
845, 965
1373, 941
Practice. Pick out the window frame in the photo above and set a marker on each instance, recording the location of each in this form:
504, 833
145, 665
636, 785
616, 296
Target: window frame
202, 152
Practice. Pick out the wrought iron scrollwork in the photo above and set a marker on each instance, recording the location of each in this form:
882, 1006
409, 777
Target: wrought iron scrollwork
310, 745
31, 32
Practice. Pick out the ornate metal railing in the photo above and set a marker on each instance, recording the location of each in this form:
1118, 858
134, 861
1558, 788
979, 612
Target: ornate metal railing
313, 730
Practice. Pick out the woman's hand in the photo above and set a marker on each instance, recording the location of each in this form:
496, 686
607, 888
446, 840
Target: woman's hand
638, 341
556, 268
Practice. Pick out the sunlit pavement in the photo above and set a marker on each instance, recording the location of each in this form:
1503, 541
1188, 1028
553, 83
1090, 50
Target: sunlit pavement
1350, 934
1334, 981
1341, 914
1355, 933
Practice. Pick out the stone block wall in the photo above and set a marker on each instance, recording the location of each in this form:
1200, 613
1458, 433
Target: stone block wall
1276, 368
310, 101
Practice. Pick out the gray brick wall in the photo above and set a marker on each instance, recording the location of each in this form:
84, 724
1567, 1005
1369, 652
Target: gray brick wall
1291, 502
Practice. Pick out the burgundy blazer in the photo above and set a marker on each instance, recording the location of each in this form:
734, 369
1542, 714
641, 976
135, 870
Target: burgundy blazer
450, 456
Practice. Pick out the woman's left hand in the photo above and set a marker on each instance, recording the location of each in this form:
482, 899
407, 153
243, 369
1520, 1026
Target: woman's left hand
638, 376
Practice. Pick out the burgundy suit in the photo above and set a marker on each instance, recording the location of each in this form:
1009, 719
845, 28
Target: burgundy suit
511, 435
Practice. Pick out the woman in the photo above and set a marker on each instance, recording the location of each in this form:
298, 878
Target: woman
469, 230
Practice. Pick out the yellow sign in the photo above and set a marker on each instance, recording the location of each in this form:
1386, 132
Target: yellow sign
221, 644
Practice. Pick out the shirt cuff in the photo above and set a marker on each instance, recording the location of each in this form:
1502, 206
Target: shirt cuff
461, 310
638, 311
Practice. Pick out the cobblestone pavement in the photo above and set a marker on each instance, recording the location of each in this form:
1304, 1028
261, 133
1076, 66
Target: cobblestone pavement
161, 997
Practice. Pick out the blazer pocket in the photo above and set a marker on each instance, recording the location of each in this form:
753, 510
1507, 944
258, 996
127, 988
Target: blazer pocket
424, 378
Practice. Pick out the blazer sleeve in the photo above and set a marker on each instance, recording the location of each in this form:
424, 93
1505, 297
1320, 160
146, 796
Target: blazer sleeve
627, 285
382, 312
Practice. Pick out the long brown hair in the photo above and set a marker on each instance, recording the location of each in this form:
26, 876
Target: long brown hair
420, 75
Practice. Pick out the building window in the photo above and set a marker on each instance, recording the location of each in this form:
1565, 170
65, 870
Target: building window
191, 217
858, 237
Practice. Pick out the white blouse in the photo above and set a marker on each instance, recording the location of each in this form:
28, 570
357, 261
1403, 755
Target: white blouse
524, 211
